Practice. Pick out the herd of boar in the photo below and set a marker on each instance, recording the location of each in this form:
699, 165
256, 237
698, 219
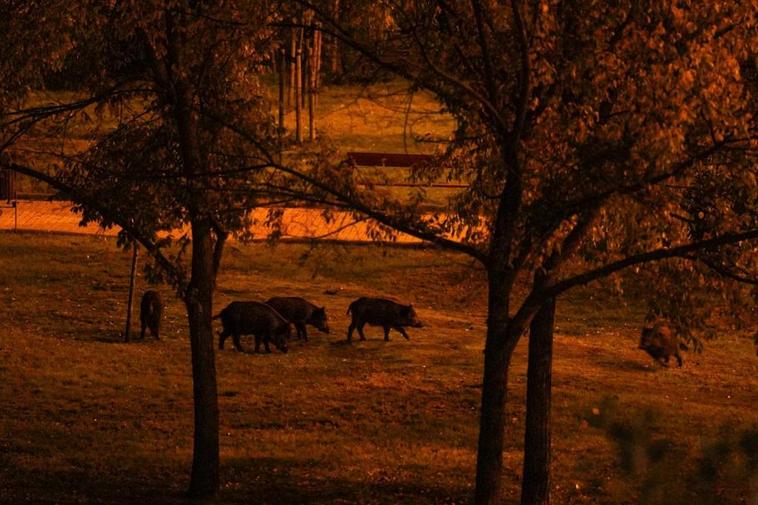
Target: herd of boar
271, 322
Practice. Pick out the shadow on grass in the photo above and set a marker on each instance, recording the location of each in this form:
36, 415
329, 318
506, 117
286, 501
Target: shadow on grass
287, 481
257, 480
626, 365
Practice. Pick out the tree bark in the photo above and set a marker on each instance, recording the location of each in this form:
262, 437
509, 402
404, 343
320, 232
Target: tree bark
535, 487
497, 356
199, 301
130, 300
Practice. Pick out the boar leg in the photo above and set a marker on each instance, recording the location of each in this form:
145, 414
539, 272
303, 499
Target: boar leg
360, 331
402, 332
386, 333
236, 340
155, 332
678, 359
350, 332
221, 337
142, 333
302, 334
257, 343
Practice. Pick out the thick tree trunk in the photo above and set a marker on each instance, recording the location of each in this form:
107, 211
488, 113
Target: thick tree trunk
535, 487
497, 356
199, 300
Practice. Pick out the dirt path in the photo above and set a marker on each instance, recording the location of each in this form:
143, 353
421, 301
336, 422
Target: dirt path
297, 223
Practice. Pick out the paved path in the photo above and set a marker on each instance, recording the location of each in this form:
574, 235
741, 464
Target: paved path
297, 223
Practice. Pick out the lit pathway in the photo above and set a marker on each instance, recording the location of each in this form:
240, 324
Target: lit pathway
298, 223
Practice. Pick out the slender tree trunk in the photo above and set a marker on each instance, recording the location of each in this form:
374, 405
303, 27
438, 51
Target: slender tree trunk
311, 89
199, 301
497, 356
299, 89
535, 487
293, 70
305, 69
130, 301
334, 54
317, 65
282, 79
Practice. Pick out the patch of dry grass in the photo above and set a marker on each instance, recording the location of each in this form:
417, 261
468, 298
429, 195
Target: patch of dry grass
87, 419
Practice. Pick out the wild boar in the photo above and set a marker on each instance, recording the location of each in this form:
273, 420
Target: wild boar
253, 318
660, 341
381, 312
300, 312
150, 313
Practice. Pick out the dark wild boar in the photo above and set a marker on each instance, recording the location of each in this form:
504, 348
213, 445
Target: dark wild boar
300, 312
659, 340
150, 313
381, 312
253, 318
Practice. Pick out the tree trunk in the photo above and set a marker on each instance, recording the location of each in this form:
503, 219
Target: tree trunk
497, 356
130, 300
282, 79
317, 65
199, 300
311, 79
299, 89
293, 70
334, 55
535, 486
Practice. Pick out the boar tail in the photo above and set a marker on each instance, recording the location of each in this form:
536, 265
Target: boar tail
350, 309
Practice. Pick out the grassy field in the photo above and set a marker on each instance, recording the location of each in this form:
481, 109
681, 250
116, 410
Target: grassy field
88, 419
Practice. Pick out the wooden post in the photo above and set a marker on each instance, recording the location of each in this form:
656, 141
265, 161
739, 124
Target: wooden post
129, 303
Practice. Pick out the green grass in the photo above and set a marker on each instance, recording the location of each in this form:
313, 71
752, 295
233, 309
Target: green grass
88, 419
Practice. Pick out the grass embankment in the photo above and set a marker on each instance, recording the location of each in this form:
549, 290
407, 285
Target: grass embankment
88, 419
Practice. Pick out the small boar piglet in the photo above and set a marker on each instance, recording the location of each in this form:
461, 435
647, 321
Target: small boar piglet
150, 313
381, 312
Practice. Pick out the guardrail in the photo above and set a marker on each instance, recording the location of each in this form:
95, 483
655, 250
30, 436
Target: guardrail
398, 160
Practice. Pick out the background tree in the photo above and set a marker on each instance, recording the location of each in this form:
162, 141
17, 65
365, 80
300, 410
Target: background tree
140, 145
581, 128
